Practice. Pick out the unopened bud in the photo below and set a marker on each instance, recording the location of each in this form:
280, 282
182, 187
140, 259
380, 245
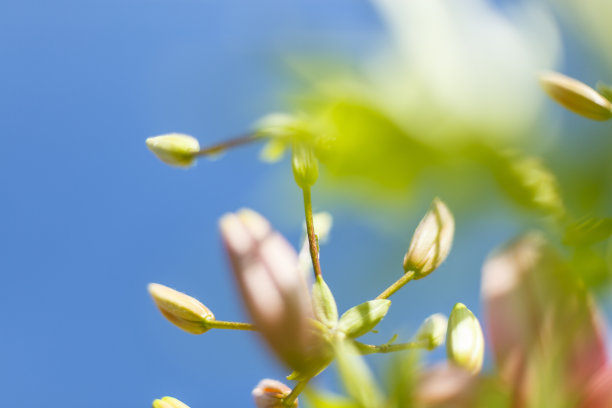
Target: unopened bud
464, 339
305, 166
431, 241
182, 310
362, 318
432, 331
270, 394
175, 149
168, 402
576, 96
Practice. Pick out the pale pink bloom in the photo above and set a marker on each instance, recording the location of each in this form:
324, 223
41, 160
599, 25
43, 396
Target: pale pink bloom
540, 318
272, 288
270, 394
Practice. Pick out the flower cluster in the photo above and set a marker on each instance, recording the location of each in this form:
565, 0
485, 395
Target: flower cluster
302, 325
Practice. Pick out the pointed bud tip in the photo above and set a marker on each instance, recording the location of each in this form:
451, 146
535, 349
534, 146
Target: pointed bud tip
175, 149
464, 339
168, 402
180, 309
576, 96
432, 240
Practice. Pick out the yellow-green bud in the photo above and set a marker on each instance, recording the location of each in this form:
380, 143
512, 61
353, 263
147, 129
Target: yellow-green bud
576, 96
168, 402
305, 165
362, 318
175, 149
182, 310
431, 241
270, 394
464, 339
432, 331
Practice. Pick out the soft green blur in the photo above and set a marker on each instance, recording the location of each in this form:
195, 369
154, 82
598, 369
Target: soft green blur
450, 106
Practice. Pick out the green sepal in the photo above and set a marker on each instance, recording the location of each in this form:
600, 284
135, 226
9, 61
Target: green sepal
360, 319
324, 304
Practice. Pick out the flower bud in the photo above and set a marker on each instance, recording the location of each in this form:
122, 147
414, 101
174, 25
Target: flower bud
464, 339
431, 241
576, 96
362, 318
270, 394
175, 149
305, 166
168, 402
273, 290
184, 311
432, 331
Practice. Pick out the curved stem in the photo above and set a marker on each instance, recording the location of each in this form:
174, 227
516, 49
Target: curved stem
407, 277
218, 324
221, 146
312, 238
290, 399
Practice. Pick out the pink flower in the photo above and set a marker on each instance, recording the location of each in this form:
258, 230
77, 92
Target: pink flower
272, 288
546, 335
542, 324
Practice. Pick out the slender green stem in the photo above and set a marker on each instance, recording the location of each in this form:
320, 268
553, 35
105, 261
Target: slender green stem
289, 400
407, 277
218, 324
312, 238
388, 348
226, 144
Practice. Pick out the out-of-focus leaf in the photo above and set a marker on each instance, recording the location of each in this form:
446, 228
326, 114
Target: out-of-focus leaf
527, 181
588, 231
321, 399
402, 378
356, 377
591, 265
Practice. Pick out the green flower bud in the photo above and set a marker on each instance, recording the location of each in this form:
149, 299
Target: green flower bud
175, 149
431, 241
576, 96
168, 402
305, 165
464, 339
432, 331
360, 319
180, 309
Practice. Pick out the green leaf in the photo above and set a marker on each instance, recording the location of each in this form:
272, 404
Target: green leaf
324, 304
360, 319
323, 399
588, 231
356, 377
604, 90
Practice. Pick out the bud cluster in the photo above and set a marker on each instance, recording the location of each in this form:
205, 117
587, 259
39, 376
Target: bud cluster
302, 325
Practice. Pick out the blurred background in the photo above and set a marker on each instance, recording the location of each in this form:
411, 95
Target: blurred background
429, 98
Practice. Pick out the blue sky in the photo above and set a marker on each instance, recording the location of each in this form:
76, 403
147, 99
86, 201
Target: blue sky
88, 216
